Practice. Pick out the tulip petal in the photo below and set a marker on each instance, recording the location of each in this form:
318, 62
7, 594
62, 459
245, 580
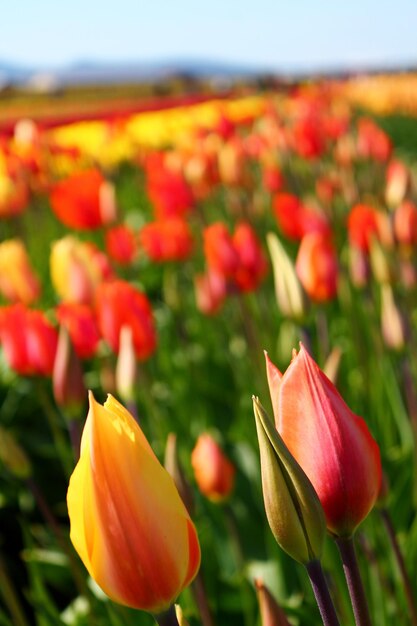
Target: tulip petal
332, 444
129, 526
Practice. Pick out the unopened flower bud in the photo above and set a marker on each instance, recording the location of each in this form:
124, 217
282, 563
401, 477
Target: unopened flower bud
392, 323
288, 291
292, 506
126, 365
180, 616
332, 364
214, 473
379, 262
67, 377
271, 612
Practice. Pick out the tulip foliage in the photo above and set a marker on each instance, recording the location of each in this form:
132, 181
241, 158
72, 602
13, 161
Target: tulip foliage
151, 258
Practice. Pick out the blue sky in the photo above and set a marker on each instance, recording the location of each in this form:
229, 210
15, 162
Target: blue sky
265, 33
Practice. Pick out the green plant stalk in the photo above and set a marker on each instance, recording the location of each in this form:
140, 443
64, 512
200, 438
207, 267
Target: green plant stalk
167, 618
199, 591
58, 437
412, 607
356, 589
232, 528
52, 522
322, 594
10, 597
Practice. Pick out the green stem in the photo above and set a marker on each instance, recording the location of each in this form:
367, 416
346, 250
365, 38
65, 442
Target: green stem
200, 595
354, 581
168, 618
59, 440
10, 597
322, 594
50, 519
239, 561
386, 518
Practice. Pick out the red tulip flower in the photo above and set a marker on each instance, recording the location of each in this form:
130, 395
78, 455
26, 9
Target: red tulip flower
84, 200
362, 226
219, 250
167, 188
295, 219
120, 304
29, 340
252, 265
81, 324
373, 143
167, 240
121, 244
333, 445
210, 292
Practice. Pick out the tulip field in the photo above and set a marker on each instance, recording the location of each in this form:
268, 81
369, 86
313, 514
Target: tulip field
208, 370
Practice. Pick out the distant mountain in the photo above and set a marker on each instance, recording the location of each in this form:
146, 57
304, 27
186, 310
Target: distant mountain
92, 72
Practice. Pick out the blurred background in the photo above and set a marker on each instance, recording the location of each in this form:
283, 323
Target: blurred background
183, 185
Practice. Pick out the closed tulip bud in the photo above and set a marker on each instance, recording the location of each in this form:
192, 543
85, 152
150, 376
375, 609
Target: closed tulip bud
173, 467
359, 270
332, 364
128, 523
210, 292
288, 290
392, 322
126, 367
67, 376
18, 282
271, 612
379, 262
397, 180
180, 616
405, 224
214, 473
317, 267
333, 445
292, 506
12, 456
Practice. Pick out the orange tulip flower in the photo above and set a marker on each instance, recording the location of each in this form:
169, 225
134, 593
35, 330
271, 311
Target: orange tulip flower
18, 281
317, 267
333, 445
214, 473
128, 522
